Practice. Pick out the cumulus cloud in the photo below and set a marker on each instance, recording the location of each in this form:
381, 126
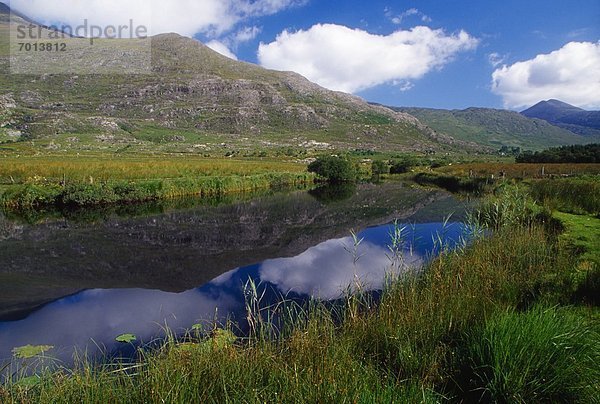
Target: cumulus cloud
186, 17
222, 49
351, 60
570, 74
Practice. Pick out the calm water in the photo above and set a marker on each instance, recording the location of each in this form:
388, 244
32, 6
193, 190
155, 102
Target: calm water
75, 283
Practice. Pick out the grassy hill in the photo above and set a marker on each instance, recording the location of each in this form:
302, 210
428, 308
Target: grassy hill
495, 128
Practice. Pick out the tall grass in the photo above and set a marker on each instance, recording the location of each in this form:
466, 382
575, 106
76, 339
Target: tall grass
104, 168
522, 170
574, 195
534, 356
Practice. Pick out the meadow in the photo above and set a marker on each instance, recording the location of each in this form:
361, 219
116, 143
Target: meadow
521, 170
452, 332
30, 182
16, 170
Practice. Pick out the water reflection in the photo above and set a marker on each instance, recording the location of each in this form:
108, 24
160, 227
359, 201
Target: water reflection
91, 319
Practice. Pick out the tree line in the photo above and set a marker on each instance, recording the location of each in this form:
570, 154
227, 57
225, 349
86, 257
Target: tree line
589, 153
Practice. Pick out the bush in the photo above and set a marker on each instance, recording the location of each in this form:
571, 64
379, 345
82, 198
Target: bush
379, 167
404, 164
334, 169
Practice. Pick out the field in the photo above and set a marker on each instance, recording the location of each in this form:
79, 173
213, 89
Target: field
106, 168
37, 182
512, 170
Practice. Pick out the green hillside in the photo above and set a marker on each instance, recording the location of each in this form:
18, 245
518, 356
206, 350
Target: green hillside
495, 128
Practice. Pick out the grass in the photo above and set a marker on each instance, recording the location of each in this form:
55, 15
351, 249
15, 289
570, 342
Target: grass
35, 196
105, 167
575, 195
487, 322
582, 235
520, 171
33, 183
531, 356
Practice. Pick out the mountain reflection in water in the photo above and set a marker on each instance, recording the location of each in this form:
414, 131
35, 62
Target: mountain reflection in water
91, 319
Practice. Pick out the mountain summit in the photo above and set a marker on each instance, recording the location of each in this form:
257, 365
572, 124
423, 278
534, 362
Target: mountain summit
551, 110
566, 116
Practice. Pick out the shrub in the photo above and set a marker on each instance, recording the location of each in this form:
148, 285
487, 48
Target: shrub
334, 169
379, 167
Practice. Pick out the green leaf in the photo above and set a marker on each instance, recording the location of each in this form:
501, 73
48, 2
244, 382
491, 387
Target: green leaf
30, 351
126, 338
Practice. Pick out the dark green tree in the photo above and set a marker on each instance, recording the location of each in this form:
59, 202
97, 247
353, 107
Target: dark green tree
335, 169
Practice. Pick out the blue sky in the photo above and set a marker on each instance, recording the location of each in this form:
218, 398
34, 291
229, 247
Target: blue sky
440, 54
514, 30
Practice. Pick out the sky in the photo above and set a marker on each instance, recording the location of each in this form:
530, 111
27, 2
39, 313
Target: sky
426, 53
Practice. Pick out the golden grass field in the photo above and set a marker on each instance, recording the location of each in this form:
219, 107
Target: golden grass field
513, 170
14, 170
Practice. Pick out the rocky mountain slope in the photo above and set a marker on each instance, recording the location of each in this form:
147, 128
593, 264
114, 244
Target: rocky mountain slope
193, 99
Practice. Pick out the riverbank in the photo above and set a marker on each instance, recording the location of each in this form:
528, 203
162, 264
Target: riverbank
453, 333
35, 183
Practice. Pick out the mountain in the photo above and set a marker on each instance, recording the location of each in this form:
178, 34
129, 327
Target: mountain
577, 120
495, 128
191, 100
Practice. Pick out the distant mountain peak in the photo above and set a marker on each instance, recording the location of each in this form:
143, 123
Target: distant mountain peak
566, 116
551, 110
554, 103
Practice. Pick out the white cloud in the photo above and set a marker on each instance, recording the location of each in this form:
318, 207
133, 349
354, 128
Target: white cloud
351, 60
495, 59
397, 19
570, 74
246, 34
186, 17
222, 49
328, 270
